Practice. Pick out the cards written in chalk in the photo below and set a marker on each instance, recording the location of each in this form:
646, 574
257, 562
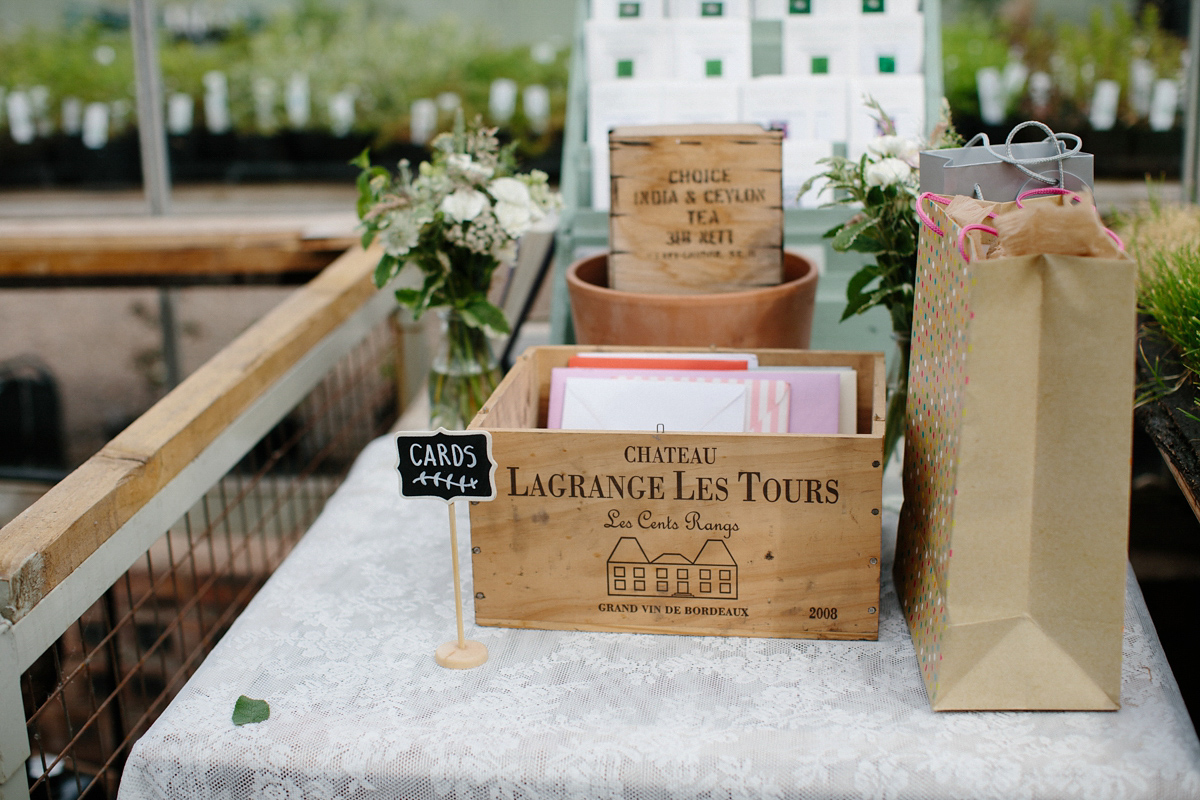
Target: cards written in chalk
448, 465
780, 400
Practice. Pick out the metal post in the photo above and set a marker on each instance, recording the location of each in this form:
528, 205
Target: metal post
156, 178
14, 741
934, 80
1192, 120
170, 336
156, 174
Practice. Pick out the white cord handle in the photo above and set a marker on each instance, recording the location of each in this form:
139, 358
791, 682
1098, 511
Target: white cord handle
1060, 155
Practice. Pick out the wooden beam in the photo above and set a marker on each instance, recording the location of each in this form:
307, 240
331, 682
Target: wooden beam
175, 246
153, 267
52, 537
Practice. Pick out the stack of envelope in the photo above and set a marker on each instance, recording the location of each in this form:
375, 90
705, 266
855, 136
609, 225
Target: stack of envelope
717, 393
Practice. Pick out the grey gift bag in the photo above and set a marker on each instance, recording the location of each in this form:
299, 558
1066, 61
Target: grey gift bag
999, 174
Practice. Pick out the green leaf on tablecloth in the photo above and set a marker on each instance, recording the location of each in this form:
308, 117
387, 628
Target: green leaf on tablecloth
247, 710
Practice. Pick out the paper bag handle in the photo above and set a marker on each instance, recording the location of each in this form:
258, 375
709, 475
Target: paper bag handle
925, 218
1047, 190
1074, 196
940, 200
962, 238
1007, 157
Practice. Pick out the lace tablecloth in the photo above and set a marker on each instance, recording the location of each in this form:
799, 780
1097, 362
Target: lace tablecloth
340, 642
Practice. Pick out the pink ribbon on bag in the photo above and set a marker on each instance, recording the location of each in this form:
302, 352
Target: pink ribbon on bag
940, 200
925, 218
1047, 190
962, 238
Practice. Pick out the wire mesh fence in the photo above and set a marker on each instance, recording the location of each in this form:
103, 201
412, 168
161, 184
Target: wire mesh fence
105, 680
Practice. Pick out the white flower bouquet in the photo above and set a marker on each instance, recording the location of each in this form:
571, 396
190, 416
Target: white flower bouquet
455, 221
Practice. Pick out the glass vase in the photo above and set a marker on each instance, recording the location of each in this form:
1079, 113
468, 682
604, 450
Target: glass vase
897, 396
463, 374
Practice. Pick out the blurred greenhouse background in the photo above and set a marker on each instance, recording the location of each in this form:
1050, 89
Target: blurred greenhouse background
1113, 73
268, 91
274, 90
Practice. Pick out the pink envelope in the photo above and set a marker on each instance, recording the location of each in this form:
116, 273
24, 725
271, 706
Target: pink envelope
813, 403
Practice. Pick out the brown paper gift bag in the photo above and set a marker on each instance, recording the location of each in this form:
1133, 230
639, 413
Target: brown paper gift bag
1011, 553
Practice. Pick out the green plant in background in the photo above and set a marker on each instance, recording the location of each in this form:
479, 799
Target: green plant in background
184, 63
386, 62
1169, 293
87, 62
969, 45
1165, 241
1074, 56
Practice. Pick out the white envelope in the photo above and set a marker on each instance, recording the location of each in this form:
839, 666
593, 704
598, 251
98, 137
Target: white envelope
633, 404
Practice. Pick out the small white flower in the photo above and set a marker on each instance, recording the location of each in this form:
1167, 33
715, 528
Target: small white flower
470, 169
540, 193
403, 231
906, 150
464, 205
515, 210
510, 190
514, 219
887, 172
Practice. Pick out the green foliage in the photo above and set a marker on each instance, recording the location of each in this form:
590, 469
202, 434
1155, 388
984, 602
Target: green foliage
1075, 56
883, 184
1169, 292
1164, 238
1159, 385
247, 711
968, 46
65, 63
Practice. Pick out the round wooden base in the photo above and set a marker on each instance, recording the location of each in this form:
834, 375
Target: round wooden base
451, 656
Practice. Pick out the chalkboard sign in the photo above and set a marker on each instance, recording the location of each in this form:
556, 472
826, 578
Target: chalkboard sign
449, 465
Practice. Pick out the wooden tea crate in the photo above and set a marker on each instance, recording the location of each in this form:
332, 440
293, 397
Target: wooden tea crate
731, 534
695, 208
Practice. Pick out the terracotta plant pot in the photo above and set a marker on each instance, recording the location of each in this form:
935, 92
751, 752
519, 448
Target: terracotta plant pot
771, 316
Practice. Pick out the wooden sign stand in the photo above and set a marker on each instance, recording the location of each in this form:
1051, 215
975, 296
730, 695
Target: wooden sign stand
449, 466
462, 653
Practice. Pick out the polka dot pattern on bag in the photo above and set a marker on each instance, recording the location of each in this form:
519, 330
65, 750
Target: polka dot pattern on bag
937, 384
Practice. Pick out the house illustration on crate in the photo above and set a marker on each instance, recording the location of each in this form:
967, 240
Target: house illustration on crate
712, 573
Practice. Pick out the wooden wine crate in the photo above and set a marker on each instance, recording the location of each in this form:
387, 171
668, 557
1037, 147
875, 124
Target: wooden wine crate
731, 534
695, 208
